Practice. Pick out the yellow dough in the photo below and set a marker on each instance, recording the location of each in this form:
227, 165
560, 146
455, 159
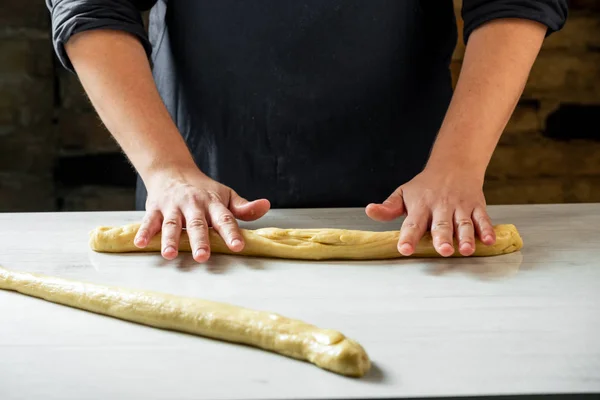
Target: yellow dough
306, 244
327, 349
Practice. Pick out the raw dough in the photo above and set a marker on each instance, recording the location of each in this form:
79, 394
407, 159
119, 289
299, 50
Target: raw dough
327, 349
307, 244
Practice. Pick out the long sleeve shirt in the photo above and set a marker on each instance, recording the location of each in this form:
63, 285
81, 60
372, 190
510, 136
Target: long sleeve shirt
313, 103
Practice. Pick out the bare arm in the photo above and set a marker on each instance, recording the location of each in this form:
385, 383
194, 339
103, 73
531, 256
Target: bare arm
497, 62
448, 195
115, 73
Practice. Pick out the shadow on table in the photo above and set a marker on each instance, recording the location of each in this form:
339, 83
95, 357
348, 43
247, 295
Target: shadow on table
375, 374
484, 268
216, 264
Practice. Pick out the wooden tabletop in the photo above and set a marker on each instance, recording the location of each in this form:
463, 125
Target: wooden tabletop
522, 323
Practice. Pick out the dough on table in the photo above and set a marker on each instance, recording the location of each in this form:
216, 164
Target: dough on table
328, 349
307, 244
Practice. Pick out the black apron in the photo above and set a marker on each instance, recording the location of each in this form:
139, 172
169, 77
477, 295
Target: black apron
317, 103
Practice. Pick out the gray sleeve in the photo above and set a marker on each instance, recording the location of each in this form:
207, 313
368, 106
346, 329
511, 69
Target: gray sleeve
552, 13
73, 16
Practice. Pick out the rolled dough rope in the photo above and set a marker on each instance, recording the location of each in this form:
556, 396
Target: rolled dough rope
327, 349
307, 244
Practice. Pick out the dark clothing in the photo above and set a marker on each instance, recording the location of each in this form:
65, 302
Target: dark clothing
311, 103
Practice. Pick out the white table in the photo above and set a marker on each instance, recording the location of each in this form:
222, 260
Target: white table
523, 323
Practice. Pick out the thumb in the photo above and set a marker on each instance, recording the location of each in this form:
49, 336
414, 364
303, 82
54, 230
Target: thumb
247, 210
391, 208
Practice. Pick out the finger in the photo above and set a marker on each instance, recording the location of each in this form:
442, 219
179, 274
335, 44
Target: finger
171, 232
226, 225
464, 231
442, 230
412, 230
483, 226
149, 227
248, 210
391, 208
197, 230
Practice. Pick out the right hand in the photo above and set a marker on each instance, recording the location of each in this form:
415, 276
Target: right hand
190, 199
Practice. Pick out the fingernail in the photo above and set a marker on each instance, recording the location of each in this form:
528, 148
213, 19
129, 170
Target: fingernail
236, 243
405, 248
170, 249
487, 238
201, 253
446, 248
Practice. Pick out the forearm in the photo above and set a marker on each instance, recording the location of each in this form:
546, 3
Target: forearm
496, 65
114, 70
116, 75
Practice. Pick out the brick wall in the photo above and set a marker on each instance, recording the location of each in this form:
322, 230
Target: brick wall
56, 155
550, 150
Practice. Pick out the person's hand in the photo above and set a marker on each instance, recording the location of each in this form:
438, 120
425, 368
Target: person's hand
449, 203
190, 199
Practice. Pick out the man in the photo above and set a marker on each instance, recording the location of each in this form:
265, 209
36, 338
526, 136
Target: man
315, 103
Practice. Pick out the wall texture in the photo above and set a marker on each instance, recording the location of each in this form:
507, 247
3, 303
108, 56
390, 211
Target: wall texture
56, 155
550, 150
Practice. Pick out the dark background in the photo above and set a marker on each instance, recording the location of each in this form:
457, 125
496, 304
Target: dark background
55, 154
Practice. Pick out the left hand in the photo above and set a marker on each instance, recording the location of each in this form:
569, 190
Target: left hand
450, 203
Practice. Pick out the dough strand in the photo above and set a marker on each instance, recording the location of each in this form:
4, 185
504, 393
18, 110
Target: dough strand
327, 349
306, 244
